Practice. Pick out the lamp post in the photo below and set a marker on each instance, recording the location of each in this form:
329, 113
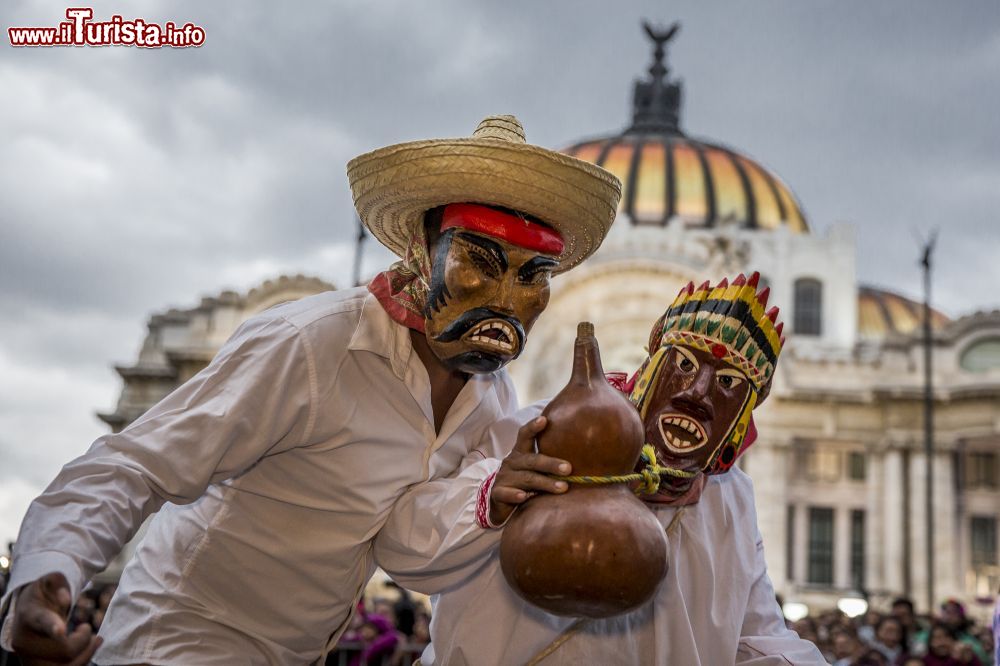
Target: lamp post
358, 243
928, 420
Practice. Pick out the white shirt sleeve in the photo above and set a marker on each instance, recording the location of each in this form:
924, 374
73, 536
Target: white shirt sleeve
256, 398
432, 540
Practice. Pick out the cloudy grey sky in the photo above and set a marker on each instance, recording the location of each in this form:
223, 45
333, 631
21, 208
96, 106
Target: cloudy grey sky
133, 180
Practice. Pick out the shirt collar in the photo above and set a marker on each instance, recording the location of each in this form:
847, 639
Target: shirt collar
379, 334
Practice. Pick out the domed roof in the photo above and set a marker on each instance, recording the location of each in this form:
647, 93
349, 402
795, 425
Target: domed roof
883, 313
665, 173
705, 184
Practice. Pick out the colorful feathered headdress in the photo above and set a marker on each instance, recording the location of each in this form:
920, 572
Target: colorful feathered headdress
729, 321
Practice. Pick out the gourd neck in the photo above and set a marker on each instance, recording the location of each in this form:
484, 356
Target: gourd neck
587, 368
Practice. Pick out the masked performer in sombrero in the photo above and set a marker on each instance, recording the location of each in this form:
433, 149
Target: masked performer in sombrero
273, 469
711, 360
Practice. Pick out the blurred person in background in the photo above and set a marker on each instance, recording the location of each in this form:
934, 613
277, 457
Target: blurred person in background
965, 655
807, 629
984, 635
870, 620
945, 649
996, 632
384, 609
103, 601
953, 616
845, 647
871, 657
940, 646
404, 609
421, 629
890, 638
902, 610
83, 611
378, 639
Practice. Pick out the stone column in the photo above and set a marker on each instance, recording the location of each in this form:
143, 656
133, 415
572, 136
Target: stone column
842, 547
767, 461
800, 548
892, 511
947, 569
875, 526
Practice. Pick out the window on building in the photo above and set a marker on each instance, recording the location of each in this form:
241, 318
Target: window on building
807, 312
824, 465
815, 462
981, 470
856, 464
858, 549
984, 540
819, 570
981, 356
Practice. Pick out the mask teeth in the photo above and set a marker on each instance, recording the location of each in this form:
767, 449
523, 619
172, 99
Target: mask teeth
740, 280
762, 297
782, 341
754, 280
704, 286
724, 284
780, 327
689, 288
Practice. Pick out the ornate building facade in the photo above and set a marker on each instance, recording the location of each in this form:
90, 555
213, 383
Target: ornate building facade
839, 466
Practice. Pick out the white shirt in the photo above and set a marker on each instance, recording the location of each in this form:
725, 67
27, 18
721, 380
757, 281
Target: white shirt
715, 606
274, 468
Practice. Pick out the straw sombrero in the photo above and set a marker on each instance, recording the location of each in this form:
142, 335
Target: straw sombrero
394, 186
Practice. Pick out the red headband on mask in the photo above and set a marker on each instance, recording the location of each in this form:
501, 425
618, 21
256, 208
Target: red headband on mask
511, 228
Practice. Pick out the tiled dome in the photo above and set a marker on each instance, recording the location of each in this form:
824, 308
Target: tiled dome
705, 184
665, 173
882, 313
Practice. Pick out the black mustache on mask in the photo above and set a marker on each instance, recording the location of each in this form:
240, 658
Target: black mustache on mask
468, 320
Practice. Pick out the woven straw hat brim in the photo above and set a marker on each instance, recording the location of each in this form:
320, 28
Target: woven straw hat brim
394, 186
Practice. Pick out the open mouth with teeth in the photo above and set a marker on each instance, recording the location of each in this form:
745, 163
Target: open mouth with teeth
495, 335
681, 433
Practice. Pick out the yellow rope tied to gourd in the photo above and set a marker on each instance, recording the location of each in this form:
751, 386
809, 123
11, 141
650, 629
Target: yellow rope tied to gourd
649, 477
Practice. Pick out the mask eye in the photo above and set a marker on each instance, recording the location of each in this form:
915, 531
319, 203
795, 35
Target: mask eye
729, 381
541, 276
484, 262
685, 363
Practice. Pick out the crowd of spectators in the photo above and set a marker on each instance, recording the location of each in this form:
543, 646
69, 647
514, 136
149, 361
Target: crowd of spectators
394, 633
900, 637
384, 632
393, 630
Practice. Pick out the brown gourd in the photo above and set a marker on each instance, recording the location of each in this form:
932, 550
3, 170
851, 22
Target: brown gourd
595, 550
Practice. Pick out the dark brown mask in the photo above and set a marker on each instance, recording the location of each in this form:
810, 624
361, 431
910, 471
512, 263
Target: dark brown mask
485, 294
694, 405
